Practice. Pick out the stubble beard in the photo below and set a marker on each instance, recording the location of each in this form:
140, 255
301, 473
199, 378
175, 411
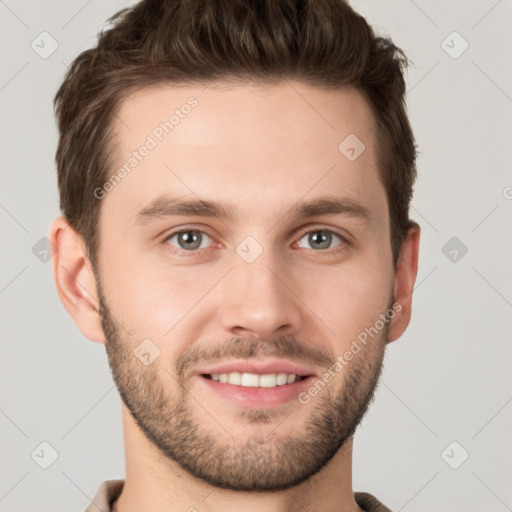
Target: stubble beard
257, 463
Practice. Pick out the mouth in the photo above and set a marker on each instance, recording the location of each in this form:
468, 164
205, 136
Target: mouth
254, 380
257, 384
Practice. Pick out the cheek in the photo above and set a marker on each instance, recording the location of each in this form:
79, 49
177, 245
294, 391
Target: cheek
349, 300
150, 298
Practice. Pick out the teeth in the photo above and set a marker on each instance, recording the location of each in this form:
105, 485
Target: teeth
268, 381
281, 378
291, 378
234, 378
253, 380
250, 380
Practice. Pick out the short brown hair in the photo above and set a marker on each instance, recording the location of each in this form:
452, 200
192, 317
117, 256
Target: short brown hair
324, 43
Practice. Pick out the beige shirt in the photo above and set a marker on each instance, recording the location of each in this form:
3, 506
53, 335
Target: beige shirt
110, 490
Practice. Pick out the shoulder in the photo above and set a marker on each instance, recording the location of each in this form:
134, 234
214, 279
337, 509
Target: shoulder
369, 503
106, 494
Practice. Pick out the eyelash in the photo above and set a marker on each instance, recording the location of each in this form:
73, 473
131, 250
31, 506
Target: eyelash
338, 249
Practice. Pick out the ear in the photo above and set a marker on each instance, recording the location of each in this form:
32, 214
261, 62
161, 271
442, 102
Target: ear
405, 277
74, 279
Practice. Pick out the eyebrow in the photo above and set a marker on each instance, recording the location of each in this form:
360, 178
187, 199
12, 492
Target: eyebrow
166, 206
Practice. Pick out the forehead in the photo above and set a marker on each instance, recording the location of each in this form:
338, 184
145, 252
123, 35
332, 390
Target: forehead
263, 146
222, 111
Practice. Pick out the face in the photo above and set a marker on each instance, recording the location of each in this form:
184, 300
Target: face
242, 256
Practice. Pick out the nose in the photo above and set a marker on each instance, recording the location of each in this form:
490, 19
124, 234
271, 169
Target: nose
259, 300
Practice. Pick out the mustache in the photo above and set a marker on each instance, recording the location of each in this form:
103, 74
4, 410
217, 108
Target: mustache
251, 348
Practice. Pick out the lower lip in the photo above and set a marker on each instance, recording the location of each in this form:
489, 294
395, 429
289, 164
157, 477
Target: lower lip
256, 397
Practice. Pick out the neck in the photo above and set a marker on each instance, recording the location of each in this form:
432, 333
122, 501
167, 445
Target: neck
154, 482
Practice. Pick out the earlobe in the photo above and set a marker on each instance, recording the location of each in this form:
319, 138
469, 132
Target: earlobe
405, 277
74, 279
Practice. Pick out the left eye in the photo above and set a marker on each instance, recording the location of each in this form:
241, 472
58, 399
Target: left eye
190, 239
321, 239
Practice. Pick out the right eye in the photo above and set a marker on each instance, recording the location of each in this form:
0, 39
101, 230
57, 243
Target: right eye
188, 239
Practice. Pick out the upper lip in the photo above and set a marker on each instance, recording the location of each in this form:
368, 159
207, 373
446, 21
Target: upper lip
257, 367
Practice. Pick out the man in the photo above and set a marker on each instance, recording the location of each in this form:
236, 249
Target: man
235, 179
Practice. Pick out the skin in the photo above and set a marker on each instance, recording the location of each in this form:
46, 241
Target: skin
260, 149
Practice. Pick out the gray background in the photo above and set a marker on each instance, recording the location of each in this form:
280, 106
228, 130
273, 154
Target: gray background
446, 380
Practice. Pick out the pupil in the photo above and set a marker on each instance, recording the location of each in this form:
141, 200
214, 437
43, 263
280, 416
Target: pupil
321, 239
190, 240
